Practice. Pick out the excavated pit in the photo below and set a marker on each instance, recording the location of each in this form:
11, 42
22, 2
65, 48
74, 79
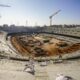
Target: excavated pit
37, 45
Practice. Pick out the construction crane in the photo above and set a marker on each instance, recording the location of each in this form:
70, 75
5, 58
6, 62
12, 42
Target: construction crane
50, 17
2, 5
0, 15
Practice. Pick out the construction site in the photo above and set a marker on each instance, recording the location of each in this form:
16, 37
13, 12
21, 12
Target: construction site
56, 50
43, 45
17, 48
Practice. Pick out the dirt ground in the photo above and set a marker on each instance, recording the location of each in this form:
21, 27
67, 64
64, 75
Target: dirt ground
41, 46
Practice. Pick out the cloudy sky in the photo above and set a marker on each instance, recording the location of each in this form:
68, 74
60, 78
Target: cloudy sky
37, 12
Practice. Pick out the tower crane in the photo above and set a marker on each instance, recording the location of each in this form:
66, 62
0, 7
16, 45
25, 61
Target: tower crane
50, 17
2, 5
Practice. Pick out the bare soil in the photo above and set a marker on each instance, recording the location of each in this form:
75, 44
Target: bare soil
31, 45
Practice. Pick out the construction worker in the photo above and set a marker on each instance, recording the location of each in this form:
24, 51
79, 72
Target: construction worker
63, 77
30, 66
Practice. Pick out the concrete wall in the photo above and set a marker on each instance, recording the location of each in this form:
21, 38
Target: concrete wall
63, 30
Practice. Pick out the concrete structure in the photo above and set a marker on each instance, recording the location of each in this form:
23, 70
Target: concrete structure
62, 30
13, 70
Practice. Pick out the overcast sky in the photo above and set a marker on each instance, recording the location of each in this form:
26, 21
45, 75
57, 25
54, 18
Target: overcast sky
37, 12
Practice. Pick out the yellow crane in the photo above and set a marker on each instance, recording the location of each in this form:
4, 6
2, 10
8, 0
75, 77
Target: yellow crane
50, 17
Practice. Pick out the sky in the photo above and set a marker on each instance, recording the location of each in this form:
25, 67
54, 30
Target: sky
37, 12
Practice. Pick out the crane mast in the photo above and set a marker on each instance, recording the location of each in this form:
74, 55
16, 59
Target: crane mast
50, 17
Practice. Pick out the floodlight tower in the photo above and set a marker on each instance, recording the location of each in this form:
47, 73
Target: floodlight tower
50, 17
